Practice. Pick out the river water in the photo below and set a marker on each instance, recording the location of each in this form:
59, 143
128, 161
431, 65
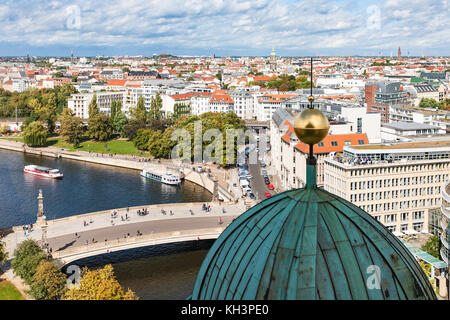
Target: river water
162, 272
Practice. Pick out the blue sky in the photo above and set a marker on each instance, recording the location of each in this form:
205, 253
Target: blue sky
224, 27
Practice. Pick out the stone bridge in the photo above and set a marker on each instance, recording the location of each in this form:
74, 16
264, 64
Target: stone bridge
76, 237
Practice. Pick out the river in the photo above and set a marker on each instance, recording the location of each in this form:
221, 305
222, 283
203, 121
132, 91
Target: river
162, 272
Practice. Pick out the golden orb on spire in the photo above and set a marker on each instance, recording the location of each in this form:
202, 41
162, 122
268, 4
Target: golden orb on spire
311, 98
311, 126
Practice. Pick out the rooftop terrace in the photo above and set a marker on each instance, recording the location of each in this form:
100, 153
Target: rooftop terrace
405, 145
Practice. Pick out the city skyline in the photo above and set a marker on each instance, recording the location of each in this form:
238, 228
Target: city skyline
325, 28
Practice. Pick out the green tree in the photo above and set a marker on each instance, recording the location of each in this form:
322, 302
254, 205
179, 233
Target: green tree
139, 112
3, 253
93, 108
99, 127
27, 257
35, 134
119, 120
48, 282
99, 284
72, 127
432, 246
131, 128
158, 106
429, 103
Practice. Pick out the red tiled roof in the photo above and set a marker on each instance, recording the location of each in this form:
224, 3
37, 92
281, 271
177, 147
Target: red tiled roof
179, 97
116, 82
326, 147
221, 98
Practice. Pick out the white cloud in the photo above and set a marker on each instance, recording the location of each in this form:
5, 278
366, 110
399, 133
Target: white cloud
255, 25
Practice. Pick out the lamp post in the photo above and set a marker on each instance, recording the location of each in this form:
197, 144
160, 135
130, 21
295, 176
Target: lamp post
42, 220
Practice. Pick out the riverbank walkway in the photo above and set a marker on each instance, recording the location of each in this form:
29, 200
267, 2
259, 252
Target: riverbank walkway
80, 236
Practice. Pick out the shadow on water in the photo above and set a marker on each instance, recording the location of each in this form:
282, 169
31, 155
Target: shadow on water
158, 272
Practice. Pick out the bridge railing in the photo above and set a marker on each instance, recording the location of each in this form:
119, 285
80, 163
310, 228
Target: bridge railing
137, 241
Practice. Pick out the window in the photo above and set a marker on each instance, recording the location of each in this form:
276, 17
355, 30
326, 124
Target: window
347, 142
334, 143
360, 141
320, 144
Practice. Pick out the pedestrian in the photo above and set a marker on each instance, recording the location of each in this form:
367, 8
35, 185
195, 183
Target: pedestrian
76, 235
128, 209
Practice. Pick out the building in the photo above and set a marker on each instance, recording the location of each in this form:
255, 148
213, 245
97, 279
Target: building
399, 130
445, 222
79, 102
289, 154
380, 96
268, 103
398, 184
244, 104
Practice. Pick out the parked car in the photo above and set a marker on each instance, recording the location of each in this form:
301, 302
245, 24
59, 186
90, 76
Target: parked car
267, 194
270, 186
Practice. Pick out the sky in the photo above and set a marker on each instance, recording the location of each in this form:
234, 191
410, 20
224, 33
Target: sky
224, 27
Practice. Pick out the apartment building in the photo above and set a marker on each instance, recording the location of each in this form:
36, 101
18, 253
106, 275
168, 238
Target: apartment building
79, 102
268, 103
445, 222
398, 184
379, 96
244, 104
288, 154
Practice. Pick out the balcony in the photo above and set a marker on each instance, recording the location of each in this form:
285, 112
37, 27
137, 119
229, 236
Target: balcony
444, 240
445, 207
444, 255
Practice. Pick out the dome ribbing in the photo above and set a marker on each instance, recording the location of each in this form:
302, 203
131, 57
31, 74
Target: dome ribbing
309, 244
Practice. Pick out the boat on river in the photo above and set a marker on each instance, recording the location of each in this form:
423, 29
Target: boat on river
167, 178
43, 171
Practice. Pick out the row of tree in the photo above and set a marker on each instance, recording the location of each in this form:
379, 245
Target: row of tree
284, 83
432, 103
47, 282
36, 104
159, 143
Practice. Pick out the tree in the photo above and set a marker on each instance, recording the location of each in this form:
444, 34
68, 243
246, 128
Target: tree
93, 108
99, 284
35, 134
131, 128
48, 283
99, 127
429, 103
432, 246
3, 253
27, 257
119, 120
139, 112
48, 110
72, 128
113, 108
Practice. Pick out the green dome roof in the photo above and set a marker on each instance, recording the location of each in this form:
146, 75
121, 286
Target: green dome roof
309, 244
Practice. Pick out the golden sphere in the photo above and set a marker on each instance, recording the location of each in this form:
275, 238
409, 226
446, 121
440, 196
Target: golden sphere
311, 98
311, 126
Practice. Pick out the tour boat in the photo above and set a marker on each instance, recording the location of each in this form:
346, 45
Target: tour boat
166, 178
43, 171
